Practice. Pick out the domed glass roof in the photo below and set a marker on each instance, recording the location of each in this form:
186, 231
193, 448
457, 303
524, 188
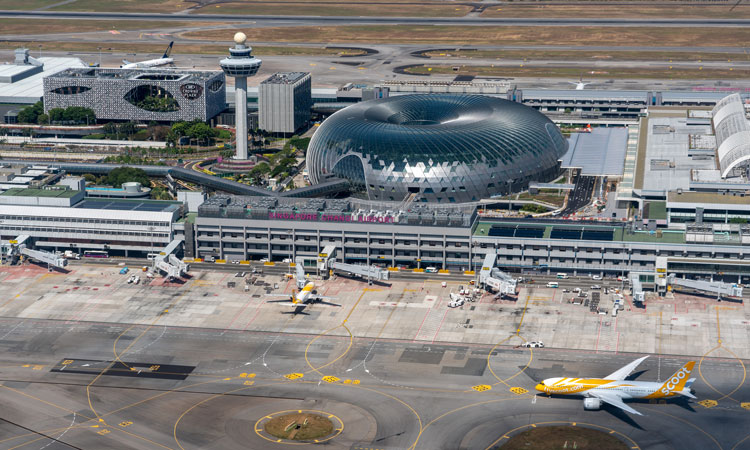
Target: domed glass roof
444, 147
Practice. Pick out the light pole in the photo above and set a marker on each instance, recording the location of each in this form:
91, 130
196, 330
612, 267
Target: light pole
100, 56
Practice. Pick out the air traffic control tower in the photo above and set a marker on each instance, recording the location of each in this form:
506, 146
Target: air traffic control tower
240, 65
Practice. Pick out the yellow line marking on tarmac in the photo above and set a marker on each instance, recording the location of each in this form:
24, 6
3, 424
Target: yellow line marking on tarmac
634, 445
718, 346
656, 410
117, 356
348, 347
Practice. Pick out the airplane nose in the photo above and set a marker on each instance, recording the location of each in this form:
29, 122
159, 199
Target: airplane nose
540, 387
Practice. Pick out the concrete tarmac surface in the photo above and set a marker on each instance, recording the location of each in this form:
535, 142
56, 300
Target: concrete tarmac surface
88, 361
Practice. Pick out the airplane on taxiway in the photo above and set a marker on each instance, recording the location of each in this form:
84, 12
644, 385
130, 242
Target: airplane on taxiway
614, 389
163, 61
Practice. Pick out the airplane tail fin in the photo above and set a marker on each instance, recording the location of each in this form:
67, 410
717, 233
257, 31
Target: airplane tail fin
125, 62
680, 378
169, 50
679, 382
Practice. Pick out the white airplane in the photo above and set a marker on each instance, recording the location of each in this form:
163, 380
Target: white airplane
580, 84
615, 389
163, 61
304, 294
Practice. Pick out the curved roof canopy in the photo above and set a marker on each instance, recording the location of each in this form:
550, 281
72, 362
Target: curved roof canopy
732, 133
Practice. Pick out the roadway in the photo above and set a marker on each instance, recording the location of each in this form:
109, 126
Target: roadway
580, 196
273, 20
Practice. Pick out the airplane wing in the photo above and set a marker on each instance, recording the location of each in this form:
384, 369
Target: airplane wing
622, 373
614, 400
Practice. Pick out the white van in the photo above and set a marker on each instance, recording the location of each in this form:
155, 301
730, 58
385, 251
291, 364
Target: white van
430, 269
562, 276
553, 284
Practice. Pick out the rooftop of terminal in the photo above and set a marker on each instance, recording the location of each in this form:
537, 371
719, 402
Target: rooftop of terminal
144, 74
337, 210
284, 78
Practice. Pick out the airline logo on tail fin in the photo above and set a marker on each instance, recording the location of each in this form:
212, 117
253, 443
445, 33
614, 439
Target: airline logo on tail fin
169, 50
678, 380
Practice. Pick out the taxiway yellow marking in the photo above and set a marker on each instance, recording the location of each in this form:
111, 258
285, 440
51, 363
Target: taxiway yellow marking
293, 376
330, 379
248, 383
745, 405
126, 423
482, 387
518, 390
708, 403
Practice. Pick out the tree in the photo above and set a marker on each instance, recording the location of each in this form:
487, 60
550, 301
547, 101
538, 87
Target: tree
127, 128
42, 119
31, 113
201, 132
122, 175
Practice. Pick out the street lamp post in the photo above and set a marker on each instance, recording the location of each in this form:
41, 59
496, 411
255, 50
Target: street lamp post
100, 56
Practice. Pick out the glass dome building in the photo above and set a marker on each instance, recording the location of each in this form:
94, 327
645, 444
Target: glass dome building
443, 147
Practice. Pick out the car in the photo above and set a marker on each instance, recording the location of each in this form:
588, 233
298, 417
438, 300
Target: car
287, 260
533, 344
431, 269
264, 260
566, 290
597, 277
235, 261
595, 286
577, 289
456, 303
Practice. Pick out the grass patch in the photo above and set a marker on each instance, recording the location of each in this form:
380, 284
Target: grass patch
546, 197
181, 49
475, 35
45, 26
344, 9
166, 6
557, 437
564, 55
317, 426
28, 5
638, 10
604, 73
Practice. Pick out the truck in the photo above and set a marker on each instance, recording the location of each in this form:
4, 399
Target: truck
69, 254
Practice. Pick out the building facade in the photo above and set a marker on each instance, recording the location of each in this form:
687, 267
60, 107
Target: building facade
138, 94
284, 102
246, 228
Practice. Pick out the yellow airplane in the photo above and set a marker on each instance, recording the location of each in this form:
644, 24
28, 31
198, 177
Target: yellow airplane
305, 293
614, 389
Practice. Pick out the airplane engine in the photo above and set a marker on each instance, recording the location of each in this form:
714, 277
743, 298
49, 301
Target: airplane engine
592, 404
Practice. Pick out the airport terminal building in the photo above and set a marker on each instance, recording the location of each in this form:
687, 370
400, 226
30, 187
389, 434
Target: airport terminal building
138, 94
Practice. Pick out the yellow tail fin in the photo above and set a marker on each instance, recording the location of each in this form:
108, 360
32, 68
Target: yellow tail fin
677, 381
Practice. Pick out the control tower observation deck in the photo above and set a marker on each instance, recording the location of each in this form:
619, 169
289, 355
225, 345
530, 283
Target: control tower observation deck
240, 65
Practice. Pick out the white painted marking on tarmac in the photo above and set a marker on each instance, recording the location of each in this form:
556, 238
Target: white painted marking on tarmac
533, 400
52, 440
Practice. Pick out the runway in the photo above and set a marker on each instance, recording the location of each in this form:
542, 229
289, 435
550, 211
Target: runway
361, 20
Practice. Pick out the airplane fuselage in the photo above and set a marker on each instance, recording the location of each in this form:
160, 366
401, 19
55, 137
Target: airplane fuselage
303, 296
625, 389
149, 63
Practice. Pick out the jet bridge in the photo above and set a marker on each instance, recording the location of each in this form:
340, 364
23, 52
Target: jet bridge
167, 263
636, 287
496, 279
719, 288
327, 261
13, 249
